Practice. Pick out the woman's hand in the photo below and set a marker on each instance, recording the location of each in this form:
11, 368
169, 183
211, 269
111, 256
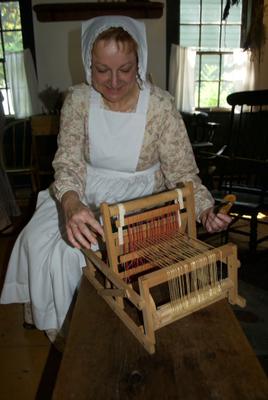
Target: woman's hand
81, 224
214, 222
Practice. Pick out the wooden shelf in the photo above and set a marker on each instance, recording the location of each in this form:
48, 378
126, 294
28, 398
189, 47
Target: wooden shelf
82, 11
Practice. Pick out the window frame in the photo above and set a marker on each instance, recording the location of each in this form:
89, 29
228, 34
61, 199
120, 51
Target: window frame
173, 36
27, 34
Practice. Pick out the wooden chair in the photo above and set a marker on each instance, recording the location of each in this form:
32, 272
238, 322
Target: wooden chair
202, 133
16, 157
45, 129
201, 130
243, 167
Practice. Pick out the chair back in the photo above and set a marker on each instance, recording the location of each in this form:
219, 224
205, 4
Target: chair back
249, 118
16, 145
16, 158
243, 168
246, 155
45, 129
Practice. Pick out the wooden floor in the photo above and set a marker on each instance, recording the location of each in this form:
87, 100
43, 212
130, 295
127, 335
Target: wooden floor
28, 362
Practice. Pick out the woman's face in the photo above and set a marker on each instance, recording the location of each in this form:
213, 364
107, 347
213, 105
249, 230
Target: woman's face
114, 69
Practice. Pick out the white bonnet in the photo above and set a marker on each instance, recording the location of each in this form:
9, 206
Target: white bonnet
93, 27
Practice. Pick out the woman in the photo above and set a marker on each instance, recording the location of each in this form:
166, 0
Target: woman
120, 138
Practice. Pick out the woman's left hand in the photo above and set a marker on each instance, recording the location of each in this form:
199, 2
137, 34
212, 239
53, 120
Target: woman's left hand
215, 222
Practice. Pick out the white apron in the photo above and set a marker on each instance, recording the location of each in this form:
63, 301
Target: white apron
44, 269
115, 143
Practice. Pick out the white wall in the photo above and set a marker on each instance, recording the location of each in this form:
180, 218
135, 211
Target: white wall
58, 50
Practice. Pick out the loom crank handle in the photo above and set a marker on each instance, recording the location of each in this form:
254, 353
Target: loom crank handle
226, 204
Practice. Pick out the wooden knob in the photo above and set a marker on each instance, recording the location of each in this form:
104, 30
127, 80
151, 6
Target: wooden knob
227, 203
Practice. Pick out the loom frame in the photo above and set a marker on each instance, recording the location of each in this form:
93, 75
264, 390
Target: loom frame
119, 294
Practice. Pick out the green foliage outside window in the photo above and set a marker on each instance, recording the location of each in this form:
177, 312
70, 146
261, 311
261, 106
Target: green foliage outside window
11, 26
10, 13
211, 87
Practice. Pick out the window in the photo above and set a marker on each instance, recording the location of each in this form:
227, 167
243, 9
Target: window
198, 24
16, 33
201, 26
11, 40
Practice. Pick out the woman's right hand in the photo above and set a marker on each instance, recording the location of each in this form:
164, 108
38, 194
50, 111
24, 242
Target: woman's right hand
81, 224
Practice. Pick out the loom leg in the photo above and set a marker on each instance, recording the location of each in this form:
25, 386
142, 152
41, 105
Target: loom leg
147, 312
233, 265
240, 301
90, 267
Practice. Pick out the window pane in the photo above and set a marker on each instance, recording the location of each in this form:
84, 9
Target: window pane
209, 94
2, 76
10, 41
189, 36
190, 11
210, 37
7, 103
10, 13
211, 11
13, 41
235, 14
227, 67
1, 48
231, 37
234, 68
210, 67
226, 89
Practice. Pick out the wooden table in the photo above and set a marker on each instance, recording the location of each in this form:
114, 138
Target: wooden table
203, 356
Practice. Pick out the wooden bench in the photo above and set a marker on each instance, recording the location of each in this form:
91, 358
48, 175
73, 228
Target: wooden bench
203, 356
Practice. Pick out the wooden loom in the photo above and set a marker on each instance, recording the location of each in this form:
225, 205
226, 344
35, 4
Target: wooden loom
155, 263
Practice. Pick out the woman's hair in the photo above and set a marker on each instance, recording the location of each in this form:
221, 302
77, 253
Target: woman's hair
119, 35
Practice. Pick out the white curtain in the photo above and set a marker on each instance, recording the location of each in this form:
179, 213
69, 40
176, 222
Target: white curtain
22, 81
181, 77
238, 69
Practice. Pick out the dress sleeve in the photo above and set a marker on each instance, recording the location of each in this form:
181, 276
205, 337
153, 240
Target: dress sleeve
177, 159
69, 162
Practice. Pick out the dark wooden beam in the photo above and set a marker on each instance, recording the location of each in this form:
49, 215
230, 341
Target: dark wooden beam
83, 11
